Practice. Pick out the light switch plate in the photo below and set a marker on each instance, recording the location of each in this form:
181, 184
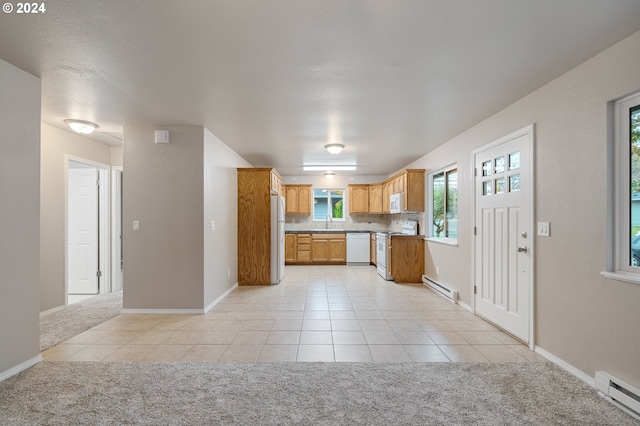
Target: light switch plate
213, 225
543, 229
136, 225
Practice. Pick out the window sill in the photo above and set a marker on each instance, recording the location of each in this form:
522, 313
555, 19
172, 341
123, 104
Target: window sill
449, 242
627, 277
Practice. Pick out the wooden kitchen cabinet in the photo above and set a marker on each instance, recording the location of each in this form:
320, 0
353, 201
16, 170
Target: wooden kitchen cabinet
375, 198
407, 258
410, 182
255, 186
303, 248
373, 251
297, 199
338, 250
386, 191
276, 182
358, 198
329, 248
414, 190
290, 248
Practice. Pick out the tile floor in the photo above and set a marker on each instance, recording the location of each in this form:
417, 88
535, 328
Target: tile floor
316, 314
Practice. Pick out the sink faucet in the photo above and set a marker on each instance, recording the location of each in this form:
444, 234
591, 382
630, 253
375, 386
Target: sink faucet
326, 222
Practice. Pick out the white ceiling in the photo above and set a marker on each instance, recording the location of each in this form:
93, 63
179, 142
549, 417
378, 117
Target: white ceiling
276, 80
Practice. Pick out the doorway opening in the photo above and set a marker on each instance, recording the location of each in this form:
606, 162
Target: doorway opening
87, 268
117, 260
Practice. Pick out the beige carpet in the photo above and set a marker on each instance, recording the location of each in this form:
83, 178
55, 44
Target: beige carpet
302, 394
61, 325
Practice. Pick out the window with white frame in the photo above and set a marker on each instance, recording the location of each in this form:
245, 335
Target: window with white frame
626, 176
443, 204
328, 204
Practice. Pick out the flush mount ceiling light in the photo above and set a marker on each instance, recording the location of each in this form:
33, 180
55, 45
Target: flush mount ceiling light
329, 175
334, 148
81, 126
321, 168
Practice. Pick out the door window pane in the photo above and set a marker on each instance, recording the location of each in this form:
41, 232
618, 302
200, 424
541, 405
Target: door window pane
486, 168
499, 165
499, 186
514, 183
514, 160
486, 187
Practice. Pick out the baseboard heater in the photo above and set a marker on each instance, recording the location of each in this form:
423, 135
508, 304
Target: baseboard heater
446, 291
620, 393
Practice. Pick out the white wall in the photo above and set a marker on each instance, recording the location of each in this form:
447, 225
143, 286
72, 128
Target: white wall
162, 189
19, 219
580, 317
55, 145
221, 206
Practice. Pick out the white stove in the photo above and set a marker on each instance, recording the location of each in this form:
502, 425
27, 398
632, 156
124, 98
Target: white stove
383, 247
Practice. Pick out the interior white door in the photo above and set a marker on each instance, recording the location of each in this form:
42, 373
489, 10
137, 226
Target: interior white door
503, 216
82, 229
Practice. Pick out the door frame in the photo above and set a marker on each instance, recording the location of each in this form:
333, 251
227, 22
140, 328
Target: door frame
530, 132
104, 212
116, 223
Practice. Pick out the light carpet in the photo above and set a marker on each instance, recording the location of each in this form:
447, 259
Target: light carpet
302, 394
61, 325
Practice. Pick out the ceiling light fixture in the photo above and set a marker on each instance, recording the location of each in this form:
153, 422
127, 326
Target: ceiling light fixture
334, 148
81, 126
332, 167
329, 175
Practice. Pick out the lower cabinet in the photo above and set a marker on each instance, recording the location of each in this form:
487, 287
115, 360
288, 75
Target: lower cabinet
303, 248
329, 248
320, 248
290, 248
373, 250
407, 258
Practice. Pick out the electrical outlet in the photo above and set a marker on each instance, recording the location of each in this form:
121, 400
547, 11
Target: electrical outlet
228, 272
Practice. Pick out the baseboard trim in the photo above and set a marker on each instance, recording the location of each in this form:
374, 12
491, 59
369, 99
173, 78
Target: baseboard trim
464, 306
221, 298
20, 367
180, 311
52, 310
163, 311
566, 366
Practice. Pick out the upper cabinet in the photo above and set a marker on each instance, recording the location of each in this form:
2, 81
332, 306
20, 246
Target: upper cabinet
411, 183
358, 198
276, 182
374, 198
297, 199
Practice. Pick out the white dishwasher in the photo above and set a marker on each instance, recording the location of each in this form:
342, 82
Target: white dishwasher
358, 248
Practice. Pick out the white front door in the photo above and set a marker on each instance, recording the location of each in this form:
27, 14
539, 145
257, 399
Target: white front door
503, 226
82, 228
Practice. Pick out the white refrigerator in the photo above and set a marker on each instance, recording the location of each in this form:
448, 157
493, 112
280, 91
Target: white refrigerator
277, 238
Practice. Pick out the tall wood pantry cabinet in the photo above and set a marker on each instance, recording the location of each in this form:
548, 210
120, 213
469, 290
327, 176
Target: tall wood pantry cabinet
255, 187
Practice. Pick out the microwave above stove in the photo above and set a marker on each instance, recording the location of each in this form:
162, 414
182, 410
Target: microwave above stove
396, 203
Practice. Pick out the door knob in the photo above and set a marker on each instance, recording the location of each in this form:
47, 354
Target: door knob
523, 249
